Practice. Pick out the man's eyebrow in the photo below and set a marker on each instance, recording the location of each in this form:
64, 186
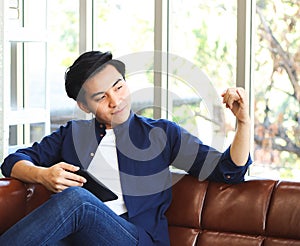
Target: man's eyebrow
102, 92
118, 80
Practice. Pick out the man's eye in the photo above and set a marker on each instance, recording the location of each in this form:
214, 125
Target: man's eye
99, 99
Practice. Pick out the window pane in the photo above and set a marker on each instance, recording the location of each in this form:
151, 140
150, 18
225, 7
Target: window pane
34, 14
34, 75
123, 27
13, 135
203, 33
277, 93
63, 43
126, 28
37, 132
16, 83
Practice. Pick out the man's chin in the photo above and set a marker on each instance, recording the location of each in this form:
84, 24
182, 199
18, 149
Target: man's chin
120, 119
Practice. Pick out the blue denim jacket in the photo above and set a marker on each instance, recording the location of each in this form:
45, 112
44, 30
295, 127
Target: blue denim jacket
146, 148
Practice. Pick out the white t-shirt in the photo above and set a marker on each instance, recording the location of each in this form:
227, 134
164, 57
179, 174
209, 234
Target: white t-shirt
104, 167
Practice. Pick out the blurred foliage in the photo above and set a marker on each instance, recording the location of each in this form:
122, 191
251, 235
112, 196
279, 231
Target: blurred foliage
277, 85
63, 30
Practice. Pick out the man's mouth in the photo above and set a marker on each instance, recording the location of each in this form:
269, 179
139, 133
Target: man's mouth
119, 110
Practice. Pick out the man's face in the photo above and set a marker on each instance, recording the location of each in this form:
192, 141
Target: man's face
107, 96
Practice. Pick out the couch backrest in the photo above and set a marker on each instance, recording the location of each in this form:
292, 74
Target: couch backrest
256, 212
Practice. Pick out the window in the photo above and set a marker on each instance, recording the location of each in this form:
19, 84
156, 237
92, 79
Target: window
63, 49
128, 32
180, 57
276, 88
202, 34
113, 25
155, 31
28, 104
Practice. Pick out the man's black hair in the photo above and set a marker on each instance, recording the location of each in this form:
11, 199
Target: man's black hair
85, 67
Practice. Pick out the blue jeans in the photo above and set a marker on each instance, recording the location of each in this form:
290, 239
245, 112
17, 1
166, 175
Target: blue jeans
71, 217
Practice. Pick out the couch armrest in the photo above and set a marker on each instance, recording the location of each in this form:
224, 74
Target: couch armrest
17, 199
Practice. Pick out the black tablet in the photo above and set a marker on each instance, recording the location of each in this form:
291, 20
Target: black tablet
96, 187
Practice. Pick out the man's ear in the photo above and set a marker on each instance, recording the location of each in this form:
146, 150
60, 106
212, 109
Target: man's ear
83, 107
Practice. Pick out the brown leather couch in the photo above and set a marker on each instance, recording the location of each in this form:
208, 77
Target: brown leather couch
256, 212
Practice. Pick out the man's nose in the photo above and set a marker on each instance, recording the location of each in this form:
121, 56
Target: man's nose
114, 100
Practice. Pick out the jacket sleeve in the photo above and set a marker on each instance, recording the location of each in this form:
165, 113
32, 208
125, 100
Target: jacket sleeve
227, 171
205, 162
45, 153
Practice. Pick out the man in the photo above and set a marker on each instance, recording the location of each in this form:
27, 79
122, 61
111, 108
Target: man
130, 154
